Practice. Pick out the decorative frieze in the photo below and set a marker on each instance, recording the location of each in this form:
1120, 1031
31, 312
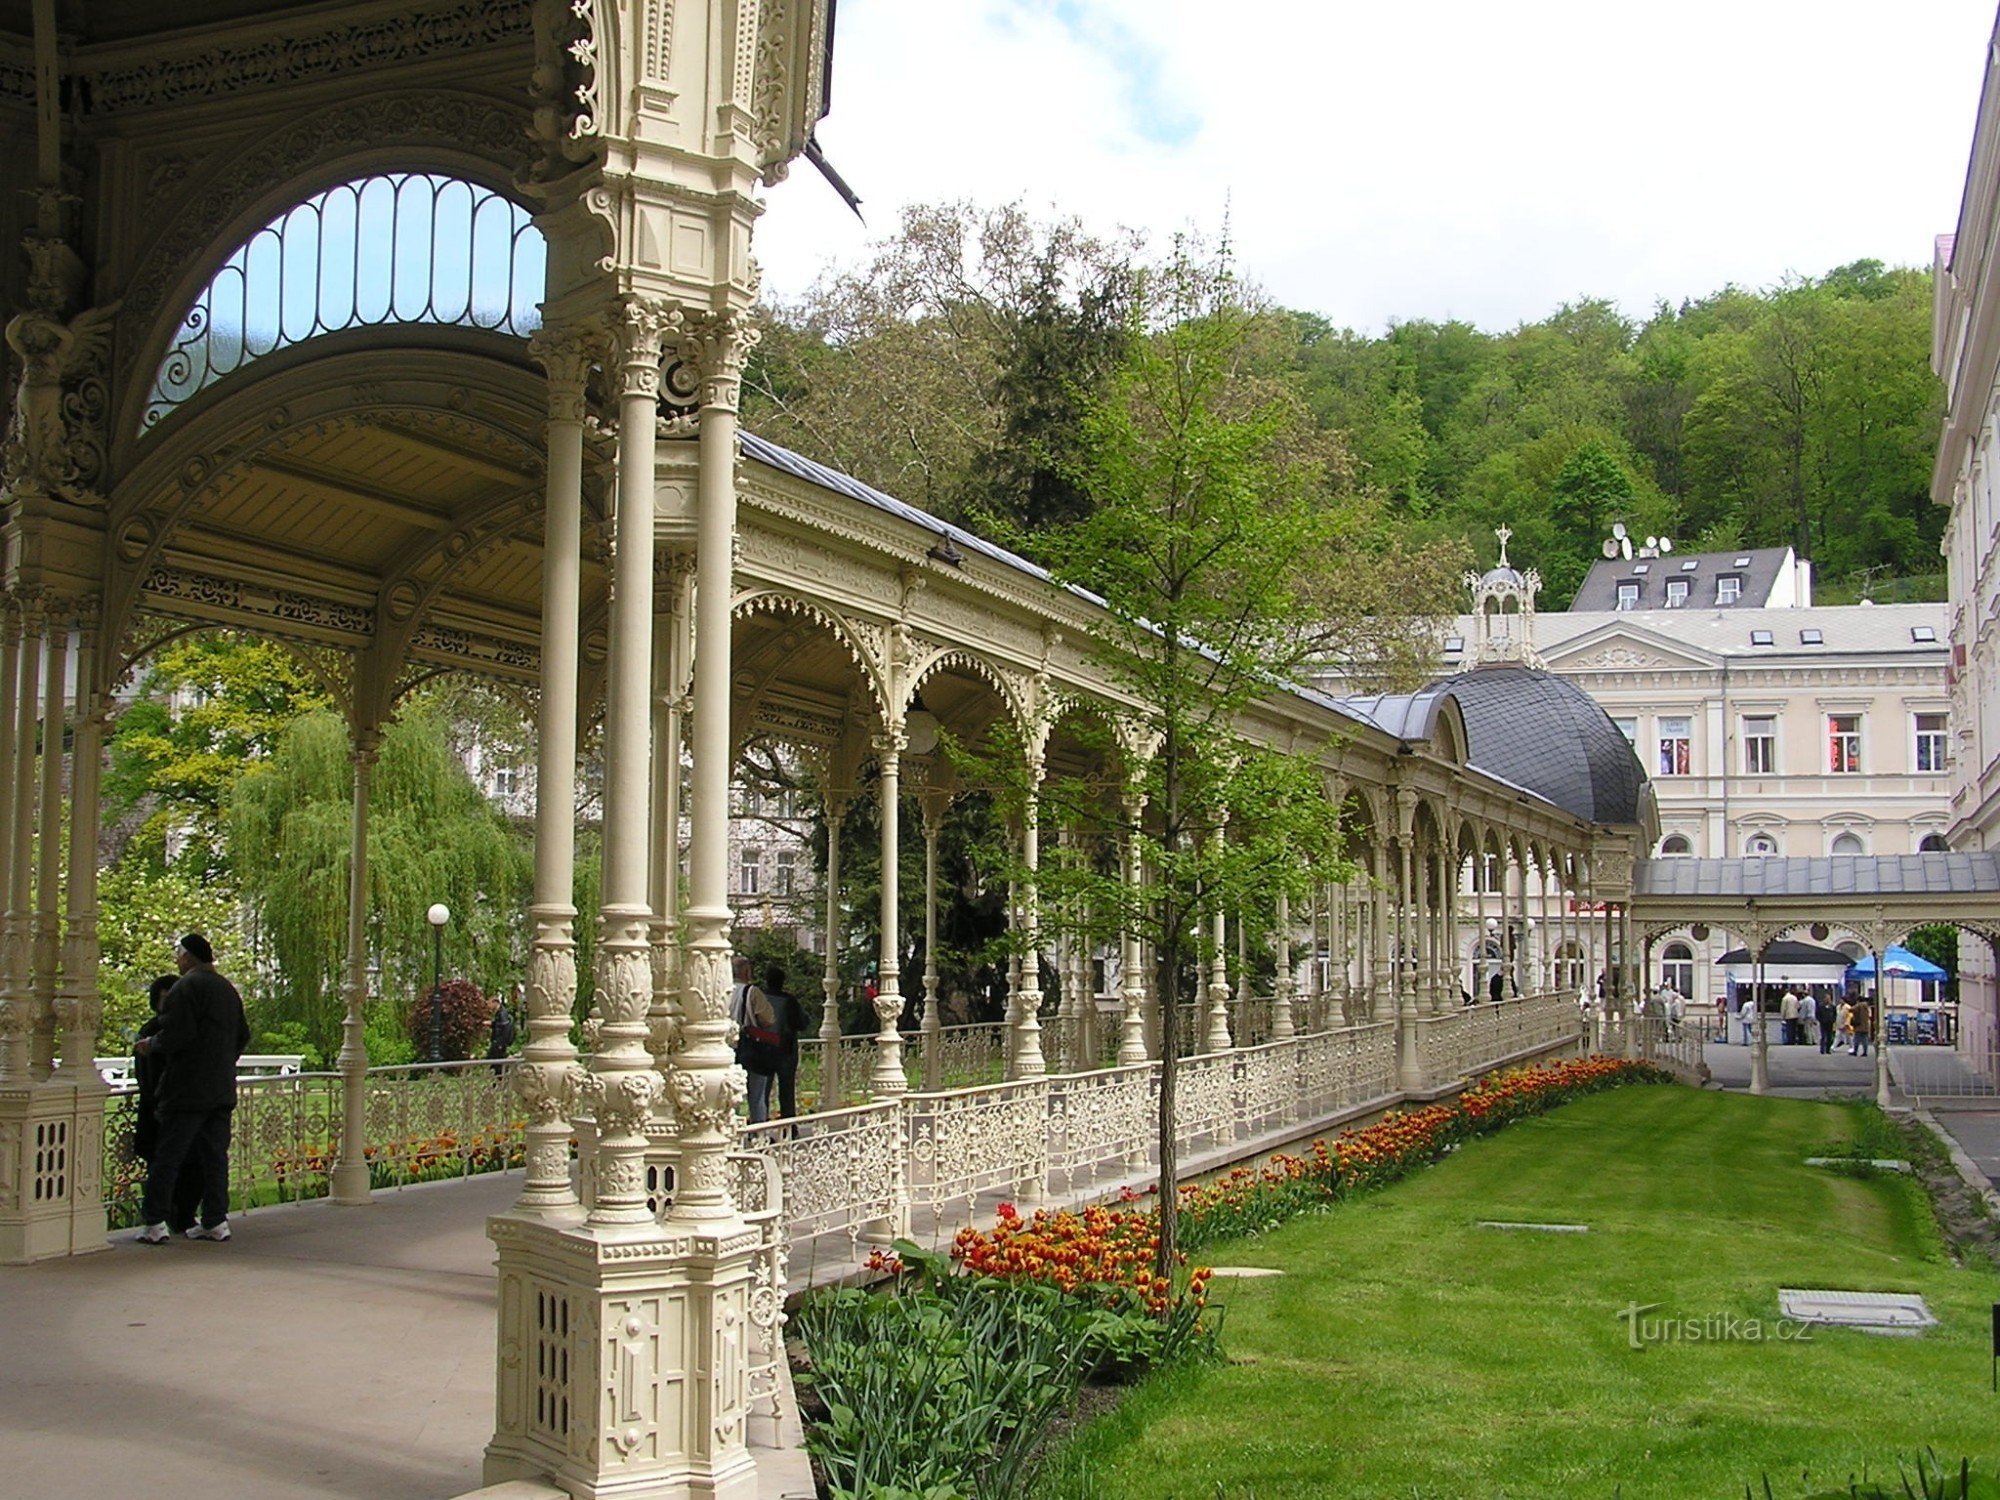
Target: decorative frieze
186, 592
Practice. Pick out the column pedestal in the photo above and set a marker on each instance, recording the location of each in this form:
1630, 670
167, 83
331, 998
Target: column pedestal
623, 1358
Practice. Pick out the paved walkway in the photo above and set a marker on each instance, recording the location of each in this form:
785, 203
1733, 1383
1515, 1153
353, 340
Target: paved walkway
322, 1351
1797, 1072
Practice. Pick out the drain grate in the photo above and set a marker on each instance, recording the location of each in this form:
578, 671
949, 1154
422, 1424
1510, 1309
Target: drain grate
1539, 1228
1872, 1312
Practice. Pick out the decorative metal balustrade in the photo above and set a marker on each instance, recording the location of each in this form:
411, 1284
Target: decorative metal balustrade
424, 1122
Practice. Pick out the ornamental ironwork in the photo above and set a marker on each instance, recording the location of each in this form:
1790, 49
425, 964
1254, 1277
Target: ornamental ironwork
402, 247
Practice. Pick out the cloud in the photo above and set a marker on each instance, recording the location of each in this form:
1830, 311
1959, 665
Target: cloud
1453, 158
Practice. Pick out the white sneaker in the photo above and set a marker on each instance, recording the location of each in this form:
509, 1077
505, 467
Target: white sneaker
154, 1234
219, 1232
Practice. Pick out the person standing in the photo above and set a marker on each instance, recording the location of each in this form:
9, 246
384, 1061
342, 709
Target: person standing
500, 1036
1788, 1017
757, 1041
791, 1023
185, 1210
202, 1033
1825, 1013
1864, 1027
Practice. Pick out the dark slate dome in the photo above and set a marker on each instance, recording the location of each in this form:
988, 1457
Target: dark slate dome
1546, 734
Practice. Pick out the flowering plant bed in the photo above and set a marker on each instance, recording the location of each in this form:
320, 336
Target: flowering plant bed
1249, 1200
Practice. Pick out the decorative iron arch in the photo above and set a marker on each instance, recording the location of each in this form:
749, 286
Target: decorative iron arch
977, 665
387, 248
770, 601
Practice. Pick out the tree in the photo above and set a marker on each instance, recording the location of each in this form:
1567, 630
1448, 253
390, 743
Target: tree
945, 370
1212, 493
210, 706
432, 837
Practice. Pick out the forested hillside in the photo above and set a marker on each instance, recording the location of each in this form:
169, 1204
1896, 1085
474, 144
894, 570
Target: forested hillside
949, 371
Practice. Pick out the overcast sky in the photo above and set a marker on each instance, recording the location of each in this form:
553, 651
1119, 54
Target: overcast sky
1391, 159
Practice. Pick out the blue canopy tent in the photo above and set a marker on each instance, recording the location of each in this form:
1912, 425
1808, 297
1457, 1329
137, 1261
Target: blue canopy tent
1897, 963
1926, 1021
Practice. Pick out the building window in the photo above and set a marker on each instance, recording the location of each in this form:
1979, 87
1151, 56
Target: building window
1628, 596
784, 864
1923, 633
1812, 638
1933, 844
1676, 843
506, 781
1675, 746
750, 873
1677, 593
1846, 843
1630, 729
1843, 743
1677, 969
1931, 742
1760, 637
1760, 844
1728, 590
1760, 745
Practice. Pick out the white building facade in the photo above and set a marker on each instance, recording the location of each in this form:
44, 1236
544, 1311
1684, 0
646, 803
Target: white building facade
1965, 352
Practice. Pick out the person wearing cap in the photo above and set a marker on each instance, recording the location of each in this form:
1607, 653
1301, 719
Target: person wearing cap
202, 1032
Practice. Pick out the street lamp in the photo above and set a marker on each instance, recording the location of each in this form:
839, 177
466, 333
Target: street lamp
438, 915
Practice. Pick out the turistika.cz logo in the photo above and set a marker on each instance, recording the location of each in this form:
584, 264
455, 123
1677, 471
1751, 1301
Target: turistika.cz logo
1643, 1327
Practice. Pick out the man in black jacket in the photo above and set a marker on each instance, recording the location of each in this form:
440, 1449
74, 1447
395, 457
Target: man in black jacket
202, 1033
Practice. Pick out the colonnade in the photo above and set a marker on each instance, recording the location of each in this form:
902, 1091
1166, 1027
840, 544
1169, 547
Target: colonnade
52, 725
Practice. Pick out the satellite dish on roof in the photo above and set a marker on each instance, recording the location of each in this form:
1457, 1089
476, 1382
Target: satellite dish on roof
1618, 530
1625, 547
1610, 548
1666, 544
1653, 542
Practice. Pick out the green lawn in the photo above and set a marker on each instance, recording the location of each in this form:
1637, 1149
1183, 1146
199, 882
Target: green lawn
1406, 1352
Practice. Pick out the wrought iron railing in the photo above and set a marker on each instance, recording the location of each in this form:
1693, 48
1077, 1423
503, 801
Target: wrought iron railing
424, 1122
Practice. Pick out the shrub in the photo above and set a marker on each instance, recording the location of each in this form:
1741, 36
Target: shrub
466, 1019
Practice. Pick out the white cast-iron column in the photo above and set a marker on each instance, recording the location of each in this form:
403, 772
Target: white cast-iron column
349, 1183
887, 1081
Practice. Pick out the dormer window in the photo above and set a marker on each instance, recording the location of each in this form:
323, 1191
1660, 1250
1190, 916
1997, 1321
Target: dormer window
1677, 593
1628, 596
1728, 589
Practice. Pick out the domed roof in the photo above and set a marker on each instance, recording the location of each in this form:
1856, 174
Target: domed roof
1502, 576
1546, 734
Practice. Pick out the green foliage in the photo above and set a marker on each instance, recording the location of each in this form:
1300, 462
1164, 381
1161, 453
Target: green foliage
948, 1384
432, 837
1929, 1481
180, 764
144, 905
1937, 942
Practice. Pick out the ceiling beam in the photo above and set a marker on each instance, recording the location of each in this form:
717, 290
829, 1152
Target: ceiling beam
353, 492
458, 455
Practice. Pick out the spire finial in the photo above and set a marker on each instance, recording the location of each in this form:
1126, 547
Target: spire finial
1505, 533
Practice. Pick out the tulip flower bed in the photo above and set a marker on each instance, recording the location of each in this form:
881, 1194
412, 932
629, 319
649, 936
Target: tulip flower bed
948, 1385
1249, 1200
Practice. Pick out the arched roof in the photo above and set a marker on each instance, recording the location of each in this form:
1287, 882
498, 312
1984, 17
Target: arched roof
1538, 731
1545, 733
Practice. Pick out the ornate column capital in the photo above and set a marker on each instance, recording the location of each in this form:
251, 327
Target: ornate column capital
715, 346
642, 332
566, 352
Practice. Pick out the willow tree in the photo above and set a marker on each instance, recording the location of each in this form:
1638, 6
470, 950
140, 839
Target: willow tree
432, 836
